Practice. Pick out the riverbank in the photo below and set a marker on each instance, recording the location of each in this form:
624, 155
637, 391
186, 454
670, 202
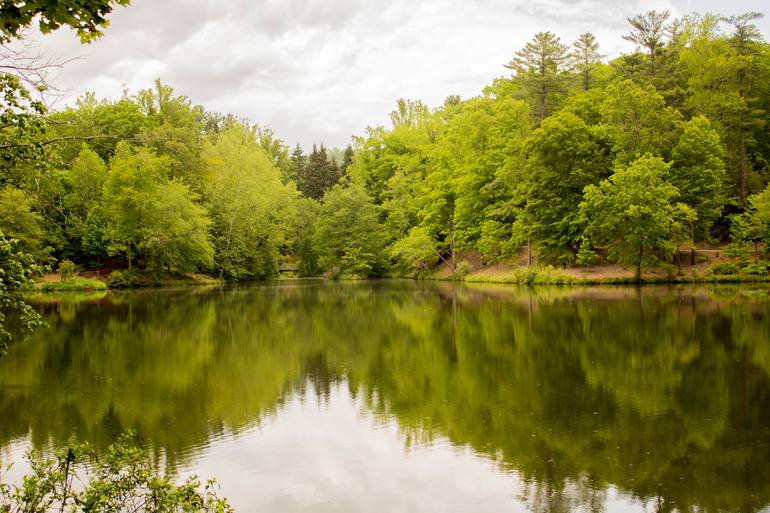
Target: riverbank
707, 271
121, 279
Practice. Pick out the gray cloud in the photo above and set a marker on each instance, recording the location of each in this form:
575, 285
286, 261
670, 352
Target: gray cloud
321, 70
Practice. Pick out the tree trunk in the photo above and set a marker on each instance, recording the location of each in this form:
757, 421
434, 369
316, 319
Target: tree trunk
692, 257
529, 252
639, 264
452, 237
742, 169
678, 261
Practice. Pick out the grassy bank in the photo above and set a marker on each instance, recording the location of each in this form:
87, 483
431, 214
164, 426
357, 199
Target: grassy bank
77, 283
709, 272
121, 279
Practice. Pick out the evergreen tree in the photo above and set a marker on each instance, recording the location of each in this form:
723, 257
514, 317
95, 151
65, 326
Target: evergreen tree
540, 65
585, 57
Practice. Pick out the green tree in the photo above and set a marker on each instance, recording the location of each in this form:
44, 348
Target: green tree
638, 121
298, 163
540, 65
564, 155
347, 234
319, 174
252, 210
20, 222
174, 235
632, 213
133, 178
698, 172
148, 213
585, 57
16, 271
417, 251
649, 30
755, 222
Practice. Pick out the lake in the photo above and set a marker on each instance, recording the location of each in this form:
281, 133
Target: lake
401, 396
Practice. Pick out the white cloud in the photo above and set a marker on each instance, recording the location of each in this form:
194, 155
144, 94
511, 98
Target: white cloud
321, 70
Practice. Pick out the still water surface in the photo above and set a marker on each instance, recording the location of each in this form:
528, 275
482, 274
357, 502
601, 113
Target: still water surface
310, 396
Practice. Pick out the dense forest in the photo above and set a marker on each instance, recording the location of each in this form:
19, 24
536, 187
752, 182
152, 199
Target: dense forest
569, 158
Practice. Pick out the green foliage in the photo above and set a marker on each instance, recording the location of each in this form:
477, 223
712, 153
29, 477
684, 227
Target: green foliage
415, 252
756, 268
347, 234
146, 212
16, 271
540, 65
66, 270
723, 269
638, 121
252, 210
758, 218
318, 174
77, 283
632, 213
564, 156
21, 126
122, 480
86, 17
123, 279
18, 221
698, 172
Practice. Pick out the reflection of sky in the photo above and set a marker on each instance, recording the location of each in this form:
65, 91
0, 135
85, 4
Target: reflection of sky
330, 457
334, 457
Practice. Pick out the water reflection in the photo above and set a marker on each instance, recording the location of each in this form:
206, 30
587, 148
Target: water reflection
575, 398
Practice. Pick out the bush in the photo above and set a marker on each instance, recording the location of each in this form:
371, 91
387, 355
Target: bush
66, 270
756, 268
123, 280
121, 480
462, 269
723, 269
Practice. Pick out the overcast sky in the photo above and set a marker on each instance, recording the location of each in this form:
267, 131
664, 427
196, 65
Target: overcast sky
322, 70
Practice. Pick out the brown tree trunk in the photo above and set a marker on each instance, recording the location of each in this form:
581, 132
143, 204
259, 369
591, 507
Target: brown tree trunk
529, 252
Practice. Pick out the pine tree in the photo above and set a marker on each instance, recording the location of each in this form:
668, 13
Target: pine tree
585, 55
540, 65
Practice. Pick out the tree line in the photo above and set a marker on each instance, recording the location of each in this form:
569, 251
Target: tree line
572, 156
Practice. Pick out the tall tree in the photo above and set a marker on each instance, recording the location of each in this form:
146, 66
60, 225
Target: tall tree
563, 156
585, 57
698, 171
540, 64
251, 208
632, 213
319, 174
745, 39
650, 31
347, 234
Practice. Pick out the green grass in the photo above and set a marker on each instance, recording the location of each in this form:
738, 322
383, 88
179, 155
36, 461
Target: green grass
73, 284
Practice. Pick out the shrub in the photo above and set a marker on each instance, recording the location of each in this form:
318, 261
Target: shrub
123, 280
121, 480
756, 268
66, 270
462, 269
723, 269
